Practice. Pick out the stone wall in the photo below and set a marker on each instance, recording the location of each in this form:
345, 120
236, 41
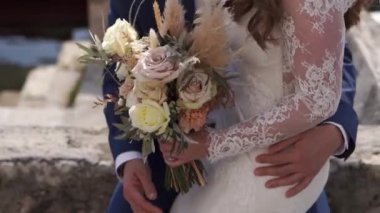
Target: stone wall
364, 41
54, 170
54, 161
354, 185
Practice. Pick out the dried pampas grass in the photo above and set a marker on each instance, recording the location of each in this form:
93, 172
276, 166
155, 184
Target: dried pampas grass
210, 40
157, 15
174, 19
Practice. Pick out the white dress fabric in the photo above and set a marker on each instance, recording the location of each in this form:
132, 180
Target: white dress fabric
281, 91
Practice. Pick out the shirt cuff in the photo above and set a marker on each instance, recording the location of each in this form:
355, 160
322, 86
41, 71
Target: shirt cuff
344, 147
123, 158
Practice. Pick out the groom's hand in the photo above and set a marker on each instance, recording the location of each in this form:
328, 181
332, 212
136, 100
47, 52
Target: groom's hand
138, 187
296, 161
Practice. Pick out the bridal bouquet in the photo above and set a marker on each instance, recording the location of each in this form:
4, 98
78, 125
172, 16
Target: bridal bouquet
168, 81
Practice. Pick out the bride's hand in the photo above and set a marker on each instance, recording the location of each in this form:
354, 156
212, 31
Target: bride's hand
193, 151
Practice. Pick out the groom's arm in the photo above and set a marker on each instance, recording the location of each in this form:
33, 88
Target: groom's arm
295, 161
138, 188
122, 150
345, 117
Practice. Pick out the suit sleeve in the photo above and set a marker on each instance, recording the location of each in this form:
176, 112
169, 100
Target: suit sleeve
345, 114
110, 87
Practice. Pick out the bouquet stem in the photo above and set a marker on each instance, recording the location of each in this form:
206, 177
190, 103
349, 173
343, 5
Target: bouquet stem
182, 178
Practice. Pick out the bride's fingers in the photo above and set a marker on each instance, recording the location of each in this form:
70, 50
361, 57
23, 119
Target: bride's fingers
174, 163
278, 171
285, 180
299, 187
165, 147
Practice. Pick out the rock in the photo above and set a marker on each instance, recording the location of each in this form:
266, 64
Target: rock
51, 162
92, 80
49, 86
37, 86
69, 54
364, 41
57, 170
376, 16
9, 98
81, 116
64, 88
354, 185
55, 142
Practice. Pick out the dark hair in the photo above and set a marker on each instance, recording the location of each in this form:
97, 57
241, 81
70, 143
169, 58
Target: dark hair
270, 13
352, 16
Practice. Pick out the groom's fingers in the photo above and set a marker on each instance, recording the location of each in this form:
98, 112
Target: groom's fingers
148, 186
138, 201
278, 171
285, 180
276, 159
299, 187
174, 163
283, 145
136, 209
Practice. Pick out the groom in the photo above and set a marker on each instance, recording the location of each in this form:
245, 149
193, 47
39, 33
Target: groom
140, 190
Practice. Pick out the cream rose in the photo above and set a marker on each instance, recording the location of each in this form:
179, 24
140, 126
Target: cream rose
134, 92
195, 89
153, 92
118, 37
161, 64
150, 117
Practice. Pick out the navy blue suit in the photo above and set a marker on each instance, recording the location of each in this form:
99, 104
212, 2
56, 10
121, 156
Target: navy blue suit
345, 116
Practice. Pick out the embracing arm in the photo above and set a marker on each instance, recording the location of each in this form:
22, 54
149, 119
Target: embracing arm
346, 116
314, 39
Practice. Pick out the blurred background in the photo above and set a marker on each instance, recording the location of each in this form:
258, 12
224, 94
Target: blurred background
54, 155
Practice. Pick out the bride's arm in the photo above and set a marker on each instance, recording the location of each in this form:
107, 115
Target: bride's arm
313, 31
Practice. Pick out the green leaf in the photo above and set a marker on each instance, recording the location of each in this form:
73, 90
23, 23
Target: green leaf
147, 145
121, 137
83, 47
125, 120
119, 126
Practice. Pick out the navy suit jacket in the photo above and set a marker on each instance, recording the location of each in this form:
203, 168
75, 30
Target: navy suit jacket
345, 115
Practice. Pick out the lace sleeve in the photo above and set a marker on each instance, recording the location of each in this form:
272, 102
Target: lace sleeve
313, 34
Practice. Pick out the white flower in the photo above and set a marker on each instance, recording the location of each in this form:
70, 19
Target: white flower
134, 91
150, 117
131, 100
195, 89
118, 37
159, 64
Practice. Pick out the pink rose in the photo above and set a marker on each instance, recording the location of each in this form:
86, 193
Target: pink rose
161, 64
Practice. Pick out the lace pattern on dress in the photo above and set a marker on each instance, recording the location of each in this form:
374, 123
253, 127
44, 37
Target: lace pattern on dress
313, 34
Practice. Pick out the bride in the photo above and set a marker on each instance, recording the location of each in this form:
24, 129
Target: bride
289, 81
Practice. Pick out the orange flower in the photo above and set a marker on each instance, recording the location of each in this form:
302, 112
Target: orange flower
193, 119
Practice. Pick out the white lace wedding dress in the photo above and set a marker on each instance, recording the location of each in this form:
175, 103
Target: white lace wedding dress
282, 91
